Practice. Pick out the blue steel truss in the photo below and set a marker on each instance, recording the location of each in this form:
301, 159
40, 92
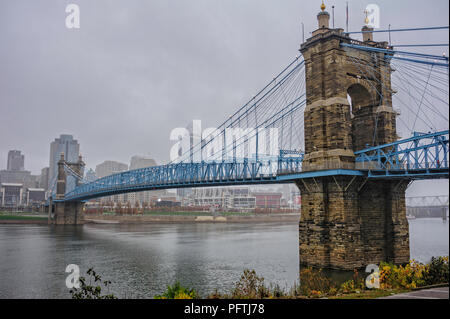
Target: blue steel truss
423, 156
179, 175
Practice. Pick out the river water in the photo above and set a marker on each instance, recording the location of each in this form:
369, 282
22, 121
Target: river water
141, 260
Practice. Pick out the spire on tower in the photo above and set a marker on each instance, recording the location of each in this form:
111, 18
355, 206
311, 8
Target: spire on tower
323, 17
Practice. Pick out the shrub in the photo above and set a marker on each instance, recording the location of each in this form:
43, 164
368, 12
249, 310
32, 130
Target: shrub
437, 271
402, 277
250, 286
88, 291
178, 292
314, 283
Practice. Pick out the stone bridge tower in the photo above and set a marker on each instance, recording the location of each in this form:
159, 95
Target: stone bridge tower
66, 212
348, 221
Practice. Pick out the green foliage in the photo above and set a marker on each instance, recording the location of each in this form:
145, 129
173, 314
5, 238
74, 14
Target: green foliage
414, 274
19, 217
93, 290
437, 271
178, 292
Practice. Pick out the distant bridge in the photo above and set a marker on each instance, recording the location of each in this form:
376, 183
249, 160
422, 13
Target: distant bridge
427, 201
428, 206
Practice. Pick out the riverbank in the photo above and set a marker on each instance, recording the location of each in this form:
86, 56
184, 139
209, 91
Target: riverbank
190, 218
158, 218
23, 219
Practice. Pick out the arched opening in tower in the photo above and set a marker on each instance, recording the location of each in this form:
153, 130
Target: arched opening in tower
363, 116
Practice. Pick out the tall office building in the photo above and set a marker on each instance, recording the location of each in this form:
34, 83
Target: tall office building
16, 161
109, 167
15, 181
71, 149
43, 182
138, 162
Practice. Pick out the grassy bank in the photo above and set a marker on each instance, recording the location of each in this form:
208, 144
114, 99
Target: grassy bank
21, 216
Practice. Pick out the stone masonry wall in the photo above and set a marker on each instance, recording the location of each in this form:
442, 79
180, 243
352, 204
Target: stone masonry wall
347, 223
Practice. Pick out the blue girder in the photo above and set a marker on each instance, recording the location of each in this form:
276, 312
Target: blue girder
423, 156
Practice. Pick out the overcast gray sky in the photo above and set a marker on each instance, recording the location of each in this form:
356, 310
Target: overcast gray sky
136, 69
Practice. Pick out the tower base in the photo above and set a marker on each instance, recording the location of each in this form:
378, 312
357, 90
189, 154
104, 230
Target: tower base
67, 213
350, 222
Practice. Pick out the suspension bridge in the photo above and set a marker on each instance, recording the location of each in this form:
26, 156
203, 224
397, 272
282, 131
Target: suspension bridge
334, 116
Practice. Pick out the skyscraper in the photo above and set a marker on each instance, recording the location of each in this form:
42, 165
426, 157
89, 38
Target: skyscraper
43, 182
109, 167
138, 162
71, 149
16, 161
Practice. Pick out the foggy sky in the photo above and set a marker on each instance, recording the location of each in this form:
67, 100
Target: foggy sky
135, 70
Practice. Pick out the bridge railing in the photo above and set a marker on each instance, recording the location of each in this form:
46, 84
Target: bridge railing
424, 153
289, 161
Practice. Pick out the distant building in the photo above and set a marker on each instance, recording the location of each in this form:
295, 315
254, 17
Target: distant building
90, 175
35, 196
15, 172
15, 180
12, 194
138, 162
16, 161
184, 193
43, 182
223, 197
109, 167
71, 149
22, 177
268, 199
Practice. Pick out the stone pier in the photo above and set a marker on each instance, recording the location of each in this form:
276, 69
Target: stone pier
63, 212
348, 221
